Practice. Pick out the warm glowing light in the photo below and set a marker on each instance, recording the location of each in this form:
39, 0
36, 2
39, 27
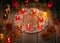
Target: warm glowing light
8, 39
44, 14
33, 11
1, 36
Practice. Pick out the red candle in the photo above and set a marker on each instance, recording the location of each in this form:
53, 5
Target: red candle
28, 26
8, 40
39, 27
33, 11
17, 17
19, 27
41, 19
22, 11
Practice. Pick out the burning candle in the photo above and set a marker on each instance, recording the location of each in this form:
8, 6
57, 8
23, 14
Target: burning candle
39, 26
22, 11
19, 27
17, 17
41, 19
28, 26
8, 40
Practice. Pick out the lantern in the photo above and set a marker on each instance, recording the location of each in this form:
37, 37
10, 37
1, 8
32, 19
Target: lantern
28, 26
8, 40
50, 4
41, 19
17, 17
5, 16
39, 27
22, 11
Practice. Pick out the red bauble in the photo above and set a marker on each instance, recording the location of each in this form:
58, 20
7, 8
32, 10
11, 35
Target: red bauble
28, 26
41, 19
14, 4
50, 4
39, 27
8, 40
17, 17
22, 11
